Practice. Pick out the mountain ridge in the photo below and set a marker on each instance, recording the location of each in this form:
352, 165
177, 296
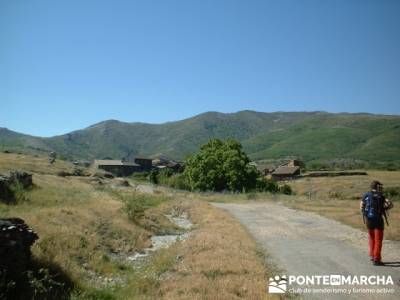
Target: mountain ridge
309, 135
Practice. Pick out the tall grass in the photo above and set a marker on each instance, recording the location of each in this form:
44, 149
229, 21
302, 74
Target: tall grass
136, 205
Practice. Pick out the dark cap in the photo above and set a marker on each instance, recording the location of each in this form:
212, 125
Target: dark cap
375, 184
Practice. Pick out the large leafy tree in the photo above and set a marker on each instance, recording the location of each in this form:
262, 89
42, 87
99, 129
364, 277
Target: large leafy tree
220, 166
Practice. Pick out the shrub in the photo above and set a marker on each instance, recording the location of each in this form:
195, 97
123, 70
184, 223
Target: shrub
176, 181
153, 176
18, 192
94, 294
267, 185
164, 175
220, 166
393, 193
33, 283
285, 189
251, 196
141, 175
137, 204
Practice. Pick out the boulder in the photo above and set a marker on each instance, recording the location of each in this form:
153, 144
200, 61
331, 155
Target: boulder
6, 193
14, 178
63, 173
103, 175
108, 175
22, 178
121, 182
16, 239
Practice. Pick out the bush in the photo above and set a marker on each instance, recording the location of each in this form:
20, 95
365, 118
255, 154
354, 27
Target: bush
393, 193
267, 185
100, 294
164, 175
35, 283
18, 192
137, 204
251, 196
141, 176
285, 189
178, 181
153, 177
220, 166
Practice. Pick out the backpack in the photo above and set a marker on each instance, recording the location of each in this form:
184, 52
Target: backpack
373, 206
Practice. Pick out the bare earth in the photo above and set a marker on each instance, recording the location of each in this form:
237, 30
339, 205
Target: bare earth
304, 243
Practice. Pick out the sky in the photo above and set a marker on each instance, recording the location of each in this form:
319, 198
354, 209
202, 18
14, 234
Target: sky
65, 65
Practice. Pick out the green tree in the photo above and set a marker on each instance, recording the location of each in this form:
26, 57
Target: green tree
220, 166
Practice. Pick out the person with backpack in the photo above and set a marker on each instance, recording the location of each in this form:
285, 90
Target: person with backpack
374, 207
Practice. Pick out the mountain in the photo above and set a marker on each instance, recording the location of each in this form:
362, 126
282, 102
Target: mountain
309, 135
14, 141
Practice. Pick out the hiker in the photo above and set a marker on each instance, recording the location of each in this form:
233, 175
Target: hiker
374, 208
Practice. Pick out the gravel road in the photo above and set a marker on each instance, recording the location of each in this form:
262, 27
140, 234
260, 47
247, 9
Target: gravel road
304, 243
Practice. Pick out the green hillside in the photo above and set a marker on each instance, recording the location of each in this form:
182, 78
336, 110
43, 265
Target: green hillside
13, 141
311, 136
174, 139
327, 136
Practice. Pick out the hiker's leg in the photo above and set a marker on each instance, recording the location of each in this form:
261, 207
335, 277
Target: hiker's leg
371, 242
378, 244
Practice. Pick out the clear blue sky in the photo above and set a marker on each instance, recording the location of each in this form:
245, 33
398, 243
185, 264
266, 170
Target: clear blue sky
67, 64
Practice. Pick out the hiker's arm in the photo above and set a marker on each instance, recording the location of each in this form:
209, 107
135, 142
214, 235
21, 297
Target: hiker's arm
362, 205
388, 204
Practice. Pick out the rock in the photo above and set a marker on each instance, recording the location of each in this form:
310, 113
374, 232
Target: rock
6, 193
23, 178
103, 175
14, 178
121, 182
78, 172
16, 239
63, 173
96, 180
108, 175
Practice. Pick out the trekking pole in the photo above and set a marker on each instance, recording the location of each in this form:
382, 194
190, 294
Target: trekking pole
386, 218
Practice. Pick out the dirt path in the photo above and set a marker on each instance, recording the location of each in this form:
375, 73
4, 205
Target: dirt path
303, 243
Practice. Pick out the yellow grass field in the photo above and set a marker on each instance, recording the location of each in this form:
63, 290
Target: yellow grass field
333, 197
338, 198
343, 187
82, 225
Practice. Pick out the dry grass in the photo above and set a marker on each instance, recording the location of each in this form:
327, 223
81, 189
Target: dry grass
81, 224
77, 225
343, 187
333, 197
338, 198
219, 261
35, 164
345, 211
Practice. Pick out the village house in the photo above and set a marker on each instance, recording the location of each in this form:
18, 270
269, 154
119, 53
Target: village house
124, 168
288, 171
265, 169
144, 162
162, 163
117, 167
295, 163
